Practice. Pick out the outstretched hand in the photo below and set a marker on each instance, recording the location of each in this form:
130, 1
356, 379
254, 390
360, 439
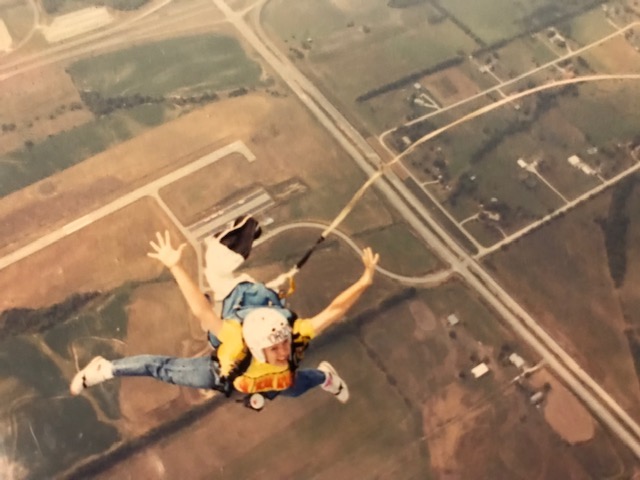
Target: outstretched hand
164, 252
370, 261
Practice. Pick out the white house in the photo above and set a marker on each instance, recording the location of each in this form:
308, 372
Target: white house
452, 320
480, 370
536, 398
574, 160
517, 360
587, 169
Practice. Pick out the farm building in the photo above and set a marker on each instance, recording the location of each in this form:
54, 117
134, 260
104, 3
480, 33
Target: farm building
480, 370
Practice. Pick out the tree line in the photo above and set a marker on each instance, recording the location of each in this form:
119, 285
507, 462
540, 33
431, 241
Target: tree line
409, 79
101, 105
58, 6
550, 17
18, 321
615, 228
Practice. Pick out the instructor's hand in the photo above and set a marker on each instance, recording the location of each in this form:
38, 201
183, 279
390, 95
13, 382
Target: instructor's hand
370, 261
164, 252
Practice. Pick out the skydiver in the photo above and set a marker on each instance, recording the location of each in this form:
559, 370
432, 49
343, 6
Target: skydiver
258, 343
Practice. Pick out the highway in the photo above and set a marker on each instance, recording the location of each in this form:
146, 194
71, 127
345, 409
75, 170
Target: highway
597, 400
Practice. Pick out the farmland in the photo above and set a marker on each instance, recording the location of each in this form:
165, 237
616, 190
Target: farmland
372, 57
572, 253
179, 120
493, 21
116, 88
190, 64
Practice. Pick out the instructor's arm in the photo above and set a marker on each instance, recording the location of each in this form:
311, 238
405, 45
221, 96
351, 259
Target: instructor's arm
170, 258
343, 302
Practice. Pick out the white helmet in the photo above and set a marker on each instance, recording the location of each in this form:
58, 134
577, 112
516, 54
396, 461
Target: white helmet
262, 328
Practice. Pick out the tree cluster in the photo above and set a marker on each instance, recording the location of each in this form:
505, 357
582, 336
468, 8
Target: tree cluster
18, 321
57, 6
465, 185
615, 228
100, 105
544, 102
404, 3
238, 92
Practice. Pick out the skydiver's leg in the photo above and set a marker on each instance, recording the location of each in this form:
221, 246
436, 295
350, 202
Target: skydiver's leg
324, 376
196, 372
305, 380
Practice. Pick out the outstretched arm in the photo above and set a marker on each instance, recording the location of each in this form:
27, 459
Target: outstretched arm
198, 304
344, 301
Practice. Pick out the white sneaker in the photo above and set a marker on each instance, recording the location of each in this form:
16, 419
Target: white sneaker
97, 371
334, 384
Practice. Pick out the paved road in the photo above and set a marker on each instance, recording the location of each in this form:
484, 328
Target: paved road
600, 403
150, 189
137, 28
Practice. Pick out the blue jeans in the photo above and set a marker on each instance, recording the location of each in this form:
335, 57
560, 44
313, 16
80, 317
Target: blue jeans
304, 380
199, 372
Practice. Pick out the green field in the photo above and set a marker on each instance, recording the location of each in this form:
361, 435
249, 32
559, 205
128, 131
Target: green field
401, 251
499, 176
181, 66
523, 55
495, 20
349, 61
300, 19
22, 168
603, 111
62, 429
590, 26
185, 66
372, 62
385, 112
484, 233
